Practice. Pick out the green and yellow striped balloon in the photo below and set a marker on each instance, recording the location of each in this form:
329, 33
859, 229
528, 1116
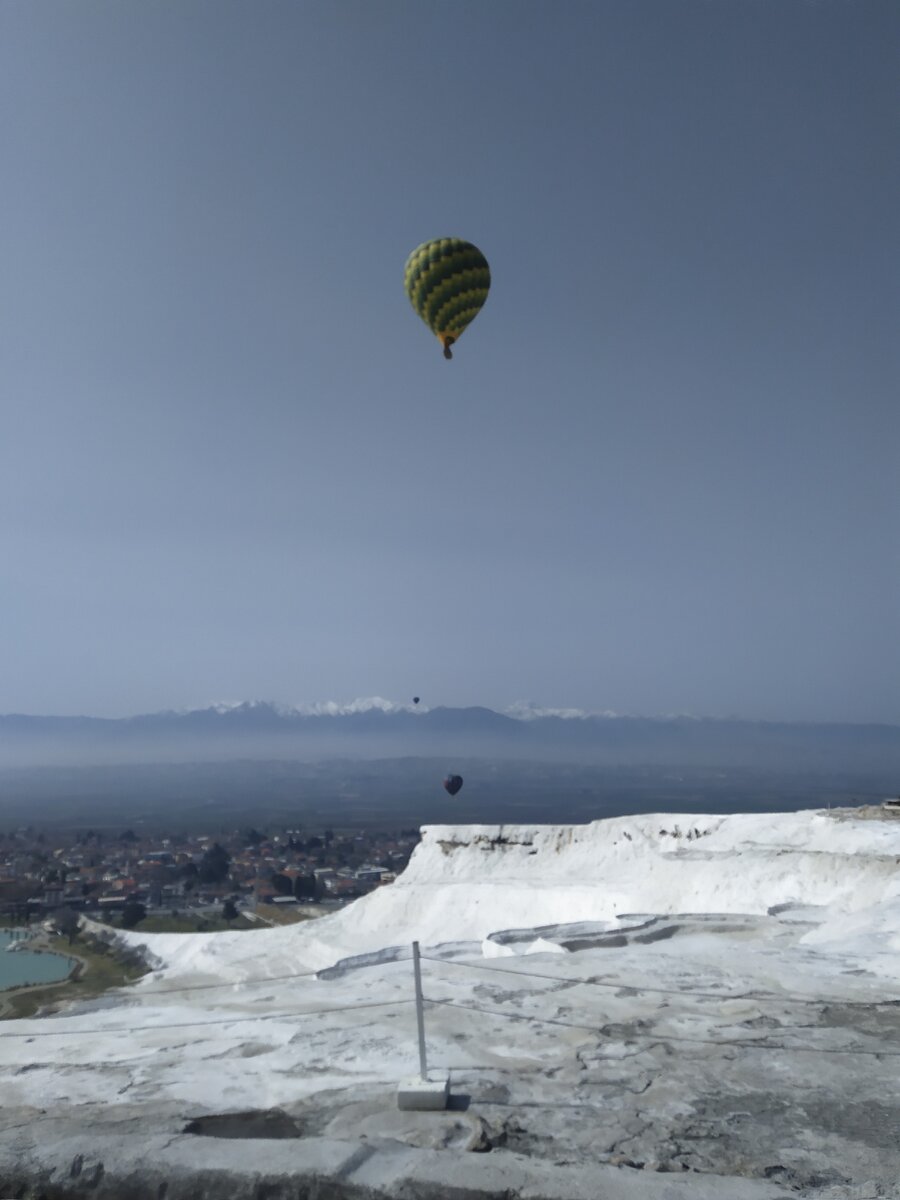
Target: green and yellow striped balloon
447, 282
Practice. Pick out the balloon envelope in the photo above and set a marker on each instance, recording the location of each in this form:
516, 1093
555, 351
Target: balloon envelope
447, 281
415, 699
453, 783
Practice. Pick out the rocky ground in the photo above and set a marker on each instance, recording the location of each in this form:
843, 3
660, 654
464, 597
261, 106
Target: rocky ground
607, 1088
729, 1055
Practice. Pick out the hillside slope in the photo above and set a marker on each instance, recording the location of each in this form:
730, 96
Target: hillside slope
466, 883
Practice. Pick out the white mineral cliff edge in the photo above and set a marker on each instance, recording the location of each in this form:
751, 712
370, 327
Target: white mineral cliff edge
465, 883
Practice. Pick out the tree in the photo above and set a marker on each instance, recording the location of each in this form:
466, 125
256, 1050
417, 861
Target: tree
282, 884
305, 887
132, 914
229, 910
66, 921
253, 837
214, 864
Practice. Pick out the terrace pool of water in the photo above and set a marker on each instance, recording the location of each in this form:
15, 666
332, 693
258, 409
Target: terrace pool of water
21, 967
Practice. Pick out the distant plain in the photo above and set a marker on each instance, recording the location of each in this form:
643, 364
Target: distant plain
403, 792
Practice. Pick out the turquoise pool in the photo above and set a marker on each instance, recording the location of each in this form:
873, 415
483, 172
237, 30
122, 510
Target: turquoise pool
19, 967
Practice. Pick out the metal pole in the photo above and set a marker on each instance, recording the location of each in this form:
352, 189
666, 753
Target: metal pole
420, 1013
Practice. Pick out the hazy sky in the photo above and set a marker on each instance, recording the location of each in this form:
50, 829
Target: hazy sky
662, 471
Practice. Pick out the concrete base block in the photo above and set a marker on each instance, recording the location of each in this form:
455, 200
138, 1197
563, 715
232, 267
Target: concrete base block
430, 1093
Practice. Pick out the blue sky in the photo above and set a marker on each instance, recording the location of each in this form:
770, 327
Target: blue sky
660, 473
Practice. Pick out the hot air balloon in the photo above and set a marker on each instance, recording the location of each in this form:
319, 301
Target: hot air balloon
415, 699
453, 783
447, 282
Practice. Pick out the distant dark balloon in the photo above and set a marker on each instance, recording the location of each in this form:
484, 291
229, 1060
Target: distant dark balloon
415, 699
453, 783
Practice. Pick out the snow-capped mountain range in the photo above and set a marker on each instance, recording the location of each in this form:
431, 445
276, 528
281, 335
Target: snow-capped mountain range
524, 710
379, 728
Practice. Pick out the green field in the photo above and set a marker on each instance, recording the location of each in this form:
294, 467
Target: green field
189, 923
99, 970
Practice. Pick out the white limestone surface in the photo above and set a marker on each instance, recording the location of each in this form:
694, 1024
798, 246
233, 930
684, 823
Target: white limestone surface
464, 883
713, 996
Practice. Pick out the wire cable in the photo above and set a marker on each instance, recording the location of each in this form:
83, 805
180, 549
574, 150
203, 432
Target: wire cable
129, 1029
661, 1037
200, 987
592, 1028
639, 987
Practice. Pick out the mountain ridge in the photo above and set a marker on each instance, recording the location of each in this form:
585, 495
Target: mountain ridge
378, 728
519, 713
